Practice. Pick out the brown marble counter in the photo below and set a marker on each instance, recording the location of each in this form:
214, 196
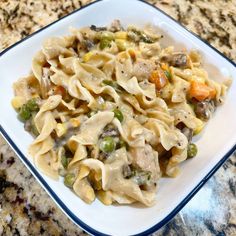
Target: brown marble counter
26, 209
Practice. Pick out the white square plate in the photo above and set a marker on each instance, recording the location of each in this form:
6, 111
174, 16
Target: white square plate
215, 145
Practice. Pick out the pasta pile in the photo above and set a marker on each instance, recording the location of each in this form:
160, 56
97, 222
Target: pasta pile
112, 111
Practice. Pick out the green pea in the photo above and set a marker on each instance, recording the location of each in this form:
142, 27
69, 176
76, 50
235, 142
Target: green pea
192, 150
107, 144
64, 161
32, 105
168, 74
27, 109
69, 180
104, 43
24, 113
118, 114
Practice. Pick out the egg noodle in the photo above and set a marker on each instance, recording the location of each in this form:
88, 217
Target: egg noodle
112, 111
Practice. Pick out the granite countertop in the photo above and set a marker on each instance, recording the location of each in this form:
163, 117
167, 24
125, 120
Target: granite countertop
26, 209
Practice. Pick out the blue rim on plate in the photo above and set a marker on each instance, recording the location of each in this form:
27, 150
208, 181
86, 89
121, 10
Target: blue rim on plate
73, 217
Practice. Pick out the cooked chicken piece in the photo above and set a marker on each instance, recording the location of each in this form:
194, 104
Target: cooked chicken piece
142, 69
146, 159
150, 49
26, 87
88, 34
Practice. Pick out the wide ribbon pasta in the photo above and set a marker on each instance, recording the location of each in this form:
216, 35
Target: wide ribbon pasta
112, 111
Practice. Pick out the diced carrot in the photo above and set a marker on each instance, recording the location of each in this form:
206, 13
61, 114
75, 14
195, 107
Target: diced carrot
165, 66
132, 54
201, 91
159, 78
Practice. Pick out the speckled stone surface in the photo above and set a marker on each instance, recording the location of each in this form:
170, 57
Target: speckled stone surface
26, 209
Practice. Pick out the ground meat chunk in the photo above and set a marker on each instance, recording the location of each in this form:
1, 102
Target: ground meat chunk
185, 130
146, 159
177, 60
204, 109
142, 69
110, 130
97, 29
